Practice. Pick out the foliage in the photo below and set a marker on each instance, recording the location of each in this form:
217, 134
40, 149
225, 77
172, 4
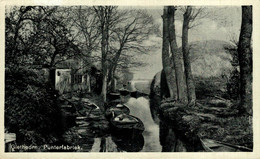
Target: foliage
233, 85
37, 35
31, 110
235, 130
211, 86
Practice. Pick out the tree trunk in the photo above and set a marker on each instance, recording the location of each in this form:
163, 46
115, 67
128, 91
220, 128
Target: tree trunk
245, 60
72, 73
88, 82
186, 57
113, 80
114, 83
104, 50
177, 57
111, 76
166, 60
104, 86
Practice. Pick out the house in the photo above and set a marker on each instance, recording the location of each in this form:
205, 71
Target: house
66, 79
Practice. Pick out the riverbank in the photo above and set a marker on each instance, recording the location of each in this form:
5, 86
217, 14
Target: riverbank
214, 116
87, 120
216, 120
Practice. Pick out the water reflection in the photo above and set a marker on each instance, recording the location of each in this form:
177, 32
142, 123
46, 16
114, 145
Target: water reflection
129, 142
140, 108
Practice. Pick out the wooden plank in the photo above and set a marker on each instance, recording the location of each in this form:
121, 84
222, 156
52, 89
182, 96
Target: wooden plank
9, 137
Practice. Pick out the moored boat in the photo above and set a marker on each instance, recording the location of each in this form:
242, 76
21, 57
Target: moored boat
124, 123
124, 92
113, 96
117, 110
210, 145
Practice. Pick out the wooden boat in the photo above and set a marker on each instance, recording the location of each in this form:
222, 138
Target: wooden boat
117, 110
210, 145
90, 105
90, 117
113, 96
137, 94
134, 94
114, 102
124, 124
124, 92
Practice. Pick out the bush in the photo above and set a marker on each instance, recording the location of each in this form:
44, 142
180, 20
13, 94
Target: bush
210, 87
233, 85
31, 109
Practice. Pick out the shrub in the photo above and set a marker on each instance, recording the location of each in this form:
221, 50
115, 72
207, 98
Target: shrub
31, 109
233, 85
210, 87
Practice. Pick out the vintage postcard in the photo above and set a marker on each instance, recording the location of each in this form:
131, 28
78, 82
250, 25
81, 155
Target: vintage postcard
172, 79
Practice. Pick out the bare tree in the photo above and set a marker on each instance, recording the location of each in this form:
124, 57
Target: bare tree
188, 16
87, 34
127, 40
127, 30
104, 14
177, 57
166, 60
87, 31
245, 60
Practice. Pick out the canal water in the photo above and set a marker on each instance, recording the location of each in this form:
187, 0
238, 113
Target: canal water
140, 108
148, 141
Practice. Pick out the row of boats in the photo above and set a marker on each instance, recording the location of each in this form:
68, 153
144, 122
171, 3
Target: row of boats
119, 116
124, 125
126, 130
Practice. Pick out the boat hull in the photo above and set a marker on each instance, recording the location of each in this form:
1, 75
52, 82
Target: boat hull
134, 128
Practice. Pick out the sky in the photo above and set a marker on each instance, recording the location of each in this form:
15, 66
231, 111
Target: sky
222, 24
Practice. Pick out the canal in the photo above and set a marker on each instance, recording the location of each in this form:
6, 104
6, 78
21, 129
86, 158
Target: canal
148, 141
109, 141
140, 108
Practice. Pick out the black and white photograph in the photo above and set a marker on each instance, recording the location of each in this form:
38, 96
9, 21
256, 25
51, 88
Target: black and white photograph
128, 78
